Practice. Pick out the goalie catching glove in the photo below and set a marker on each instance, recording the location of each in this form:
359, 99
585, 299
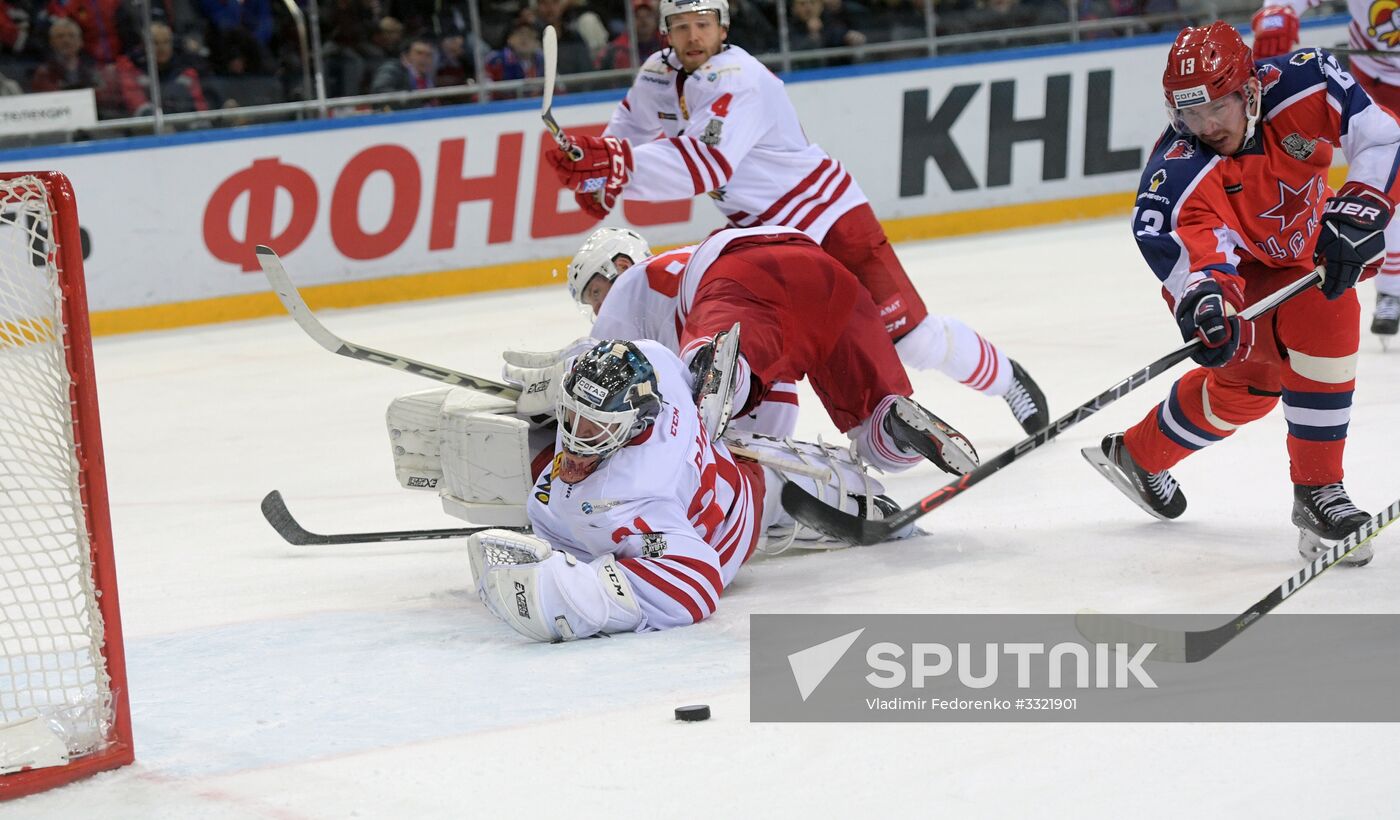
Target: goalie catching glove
1351, 242
546, 594
606, 162
538, 375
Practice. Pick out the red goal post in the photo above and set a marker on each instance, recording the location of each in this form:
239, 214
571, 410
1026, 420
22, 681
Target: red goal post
64, 712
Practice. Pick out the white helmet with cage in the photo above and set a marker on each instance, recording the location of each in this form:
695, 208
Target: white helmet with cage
670, 7
596, 257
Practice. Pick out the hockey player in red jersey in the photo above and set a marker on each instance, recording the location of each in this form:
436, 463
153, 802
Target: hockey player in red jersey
1233, 205
1375, 27
705, 117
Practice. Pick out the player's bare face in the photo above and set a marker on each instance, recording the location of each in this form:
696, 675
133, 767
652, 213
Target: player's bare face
597, 290
1220, 124
696, 36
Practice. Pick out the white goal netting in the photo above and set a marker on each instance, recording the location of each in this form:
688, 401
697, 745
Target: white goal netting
51, 632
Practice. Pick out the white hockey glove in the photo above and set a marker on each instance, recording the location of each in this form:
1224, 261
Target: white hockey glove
539, 376
546, 594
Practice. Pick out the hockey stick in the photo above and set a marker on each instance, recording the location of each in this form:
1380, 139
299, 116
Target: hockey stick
550, 46
274, 509
1190, 646
1363, 52
855, 530
296, 306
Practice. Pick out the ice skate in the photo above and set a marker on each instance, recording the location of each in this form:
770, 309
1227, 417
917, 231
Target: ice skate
1325, 515
1386, 321
1026, 401
1157, 493
916, 430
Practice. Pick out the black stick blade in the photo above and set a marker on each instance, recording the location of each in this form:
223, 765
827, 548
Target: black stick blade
830, 521
274, 509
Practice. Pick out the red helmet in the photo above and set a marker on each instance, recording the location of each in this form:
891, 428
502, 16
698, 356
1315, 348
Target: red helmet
1205, 64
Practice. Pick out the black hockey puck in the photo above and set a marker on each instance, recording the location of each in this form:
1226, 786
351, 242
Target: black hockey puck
693, 713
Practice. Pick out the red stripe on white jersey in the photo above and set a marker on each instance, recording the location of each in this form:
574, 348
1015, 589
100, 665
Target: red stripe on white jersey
814, 193
690, 165
638, 568
810, 180
706, 595
820, 208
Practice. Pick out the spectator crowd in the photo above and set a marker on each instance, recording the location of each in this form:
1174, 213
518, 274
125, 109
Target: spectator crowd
210, 54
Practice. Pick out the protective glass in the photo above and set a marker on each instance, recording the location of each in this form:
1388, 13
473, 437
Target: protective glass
1209, 117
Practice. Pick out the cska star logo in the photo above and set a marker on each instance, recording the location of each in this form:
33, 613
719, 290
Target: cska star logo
1157, 180
1292, 205
1181, 149
1268, 75
1384, 22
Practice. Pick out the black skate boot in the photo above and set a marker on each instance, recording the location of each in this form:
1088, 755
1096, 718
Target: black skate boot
1026, 401
1386, 321
916, 430
1325, 515
1157, 493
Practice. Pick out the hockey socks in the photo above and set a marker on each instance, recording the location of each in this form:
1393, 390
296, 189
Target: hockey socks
945, 344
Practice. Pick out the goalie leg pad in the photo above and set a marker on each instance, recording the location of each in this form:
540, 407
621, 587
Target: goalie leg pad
485, 463
549, 595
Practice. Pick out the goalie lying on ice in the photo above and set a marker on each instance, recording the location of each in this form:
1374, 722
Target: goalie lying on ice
641, 520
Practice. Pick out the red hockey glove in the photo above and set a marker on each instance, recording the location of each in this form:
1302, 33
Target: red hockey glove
1351, 241
1207, 312
607, 159
1275, 31
590, 203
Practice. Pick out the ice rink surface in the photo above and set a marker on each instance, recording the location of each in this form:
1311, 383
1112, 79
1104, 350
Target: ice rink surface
269, 681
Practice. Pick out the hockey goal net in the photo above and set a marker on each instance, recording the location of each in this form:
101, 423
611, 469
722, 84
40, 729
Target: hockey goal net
63, 702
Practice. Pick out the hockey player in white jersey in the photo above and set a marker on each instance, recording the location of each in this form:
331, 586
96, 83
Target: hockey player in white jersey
704, 117
641, 520
1375, 27
686, 298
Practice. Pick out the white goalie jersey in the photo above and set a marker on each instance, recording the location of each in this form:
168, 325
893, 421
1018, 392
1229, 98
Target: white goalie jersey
678, 512
730, 131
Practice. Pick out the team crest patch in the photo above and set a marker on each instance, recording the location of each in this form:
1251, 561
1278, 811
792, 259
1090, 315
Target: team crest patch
711, 135
1157, 180
1297, 147
1302, 57
1181, 149
653, 544
1268, 75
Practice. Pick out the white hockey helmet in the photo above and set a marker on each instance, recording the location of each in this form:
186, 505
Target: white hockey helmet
596, 257
670, 7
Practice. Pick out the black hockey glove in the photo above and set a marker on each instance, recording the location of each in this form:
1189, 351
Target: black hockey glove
1207, 312
1352, 236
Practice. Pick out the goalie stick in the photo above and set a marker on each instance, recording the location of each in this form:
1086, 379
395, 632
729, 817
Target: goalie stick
852, 529
296, 306
274, 509
1190, 646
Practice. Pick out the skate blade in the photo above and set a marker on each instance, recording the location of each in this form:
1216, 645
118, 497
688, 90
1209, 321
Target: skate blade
956, 454
1310, 547
1110, 471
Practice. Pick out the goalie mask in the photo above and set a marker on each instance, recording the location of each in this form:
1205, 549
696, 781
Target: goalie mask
1210, 87
670, 7
597, 258
609, 397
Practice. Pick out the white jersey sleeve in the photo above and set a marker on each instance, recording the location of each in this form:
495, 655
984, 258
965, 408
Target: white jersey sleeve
729, 130
680, 515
